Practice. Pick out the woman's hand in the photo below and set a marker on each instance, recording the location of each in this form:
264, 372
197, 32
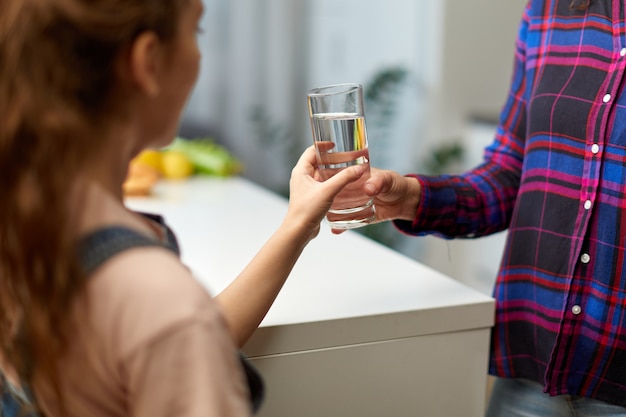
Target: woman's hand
310, 198
395, 196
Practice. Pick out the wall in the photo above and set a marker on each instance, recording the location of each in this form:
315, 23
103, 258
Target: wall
249, 49
267, 53
477, 56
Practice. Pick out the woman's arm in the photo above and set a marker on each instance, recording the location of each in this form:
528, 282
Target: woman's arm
247, 299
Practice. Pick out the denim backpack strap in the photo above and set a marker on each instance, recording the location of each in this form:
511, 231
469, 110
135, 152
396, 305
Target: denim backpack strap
256, 385
15, 402
93, 251
99, 246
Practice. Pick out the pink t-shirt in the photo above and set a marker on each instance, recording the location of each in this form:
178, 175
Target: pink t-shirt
150, 342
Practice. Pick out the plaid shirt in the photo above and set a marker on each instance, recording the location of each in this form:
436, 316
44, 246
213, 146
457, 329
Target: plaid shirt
555, 176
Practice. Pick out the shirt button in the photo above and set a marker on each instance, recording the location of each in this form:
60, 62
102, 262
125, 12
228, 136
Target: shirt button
576, 310
587, 204
585, 258
595, 148
606, 98
622, 52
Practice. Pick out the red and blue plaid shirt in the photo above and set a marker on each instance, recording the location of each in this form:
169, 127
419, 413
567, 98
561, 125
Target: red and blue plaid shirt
555, 176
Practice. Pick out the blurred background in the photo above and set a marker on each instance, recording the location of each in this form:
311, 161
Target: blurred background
435, 75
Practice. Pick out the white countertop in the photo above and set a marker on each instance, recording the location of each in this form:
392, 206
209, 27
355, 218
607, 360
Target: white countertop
340, 279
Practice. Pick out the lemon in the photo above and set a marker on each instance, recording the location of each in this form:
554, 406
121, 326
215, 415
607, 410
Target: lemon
151, 158
175, 165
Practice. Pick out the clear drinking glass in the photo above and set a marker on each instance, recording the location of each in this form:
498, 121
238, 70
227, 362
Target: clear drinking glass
338, 123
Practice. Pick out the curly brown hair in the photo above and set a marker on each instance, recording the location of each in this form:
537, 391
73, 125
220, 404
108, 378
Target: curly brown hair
57, 75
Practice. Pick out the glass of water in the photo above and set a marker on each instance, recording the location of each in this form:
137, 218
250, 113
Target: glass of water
337, 120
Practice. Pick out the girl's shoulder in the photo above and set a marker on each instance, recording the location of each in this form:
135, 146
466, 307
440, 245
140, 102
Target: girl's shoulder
138, 288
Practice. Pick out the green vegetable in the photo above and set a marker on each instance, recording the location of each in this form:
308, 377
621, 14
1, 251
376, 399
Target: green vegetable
208, 157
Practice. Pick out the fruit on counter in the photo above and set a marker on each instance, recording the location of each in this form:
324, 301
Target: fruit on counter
206, 156
140, 179
183, 158
176, 165
150, 157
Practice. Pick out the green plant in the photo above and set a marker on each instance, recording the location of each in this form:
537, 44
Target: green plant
444, 157
274, 135
380, 96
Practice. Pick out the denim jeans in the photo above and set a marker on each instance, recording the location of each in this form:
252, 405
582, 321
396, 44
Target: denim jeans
524, 398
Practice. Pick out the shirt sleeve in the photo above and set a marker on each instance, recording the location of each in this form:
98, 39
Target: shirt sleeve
190, 370
480, 201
